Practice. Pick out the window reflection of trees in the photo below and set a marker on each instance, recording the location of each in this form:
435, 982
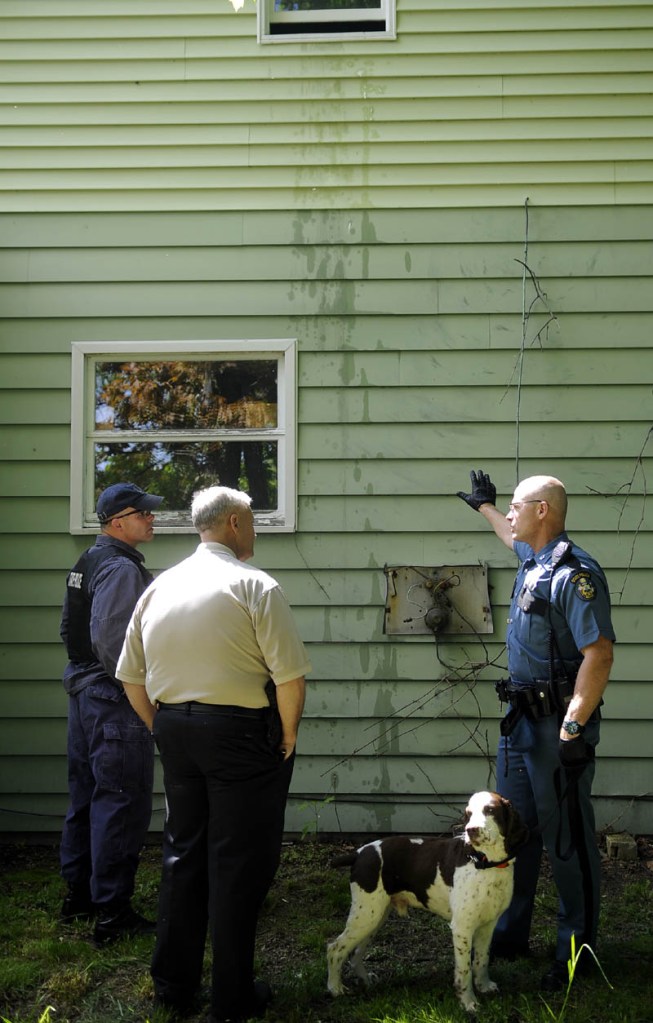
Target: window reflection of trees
157, 397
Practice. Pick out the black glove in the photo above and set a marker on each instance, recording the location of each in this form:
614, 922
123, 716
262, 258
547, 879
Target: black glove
483, 490
575, 755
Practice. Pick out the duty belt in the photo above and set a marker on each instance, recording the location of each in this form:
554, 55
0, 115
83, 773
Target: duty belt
539, 699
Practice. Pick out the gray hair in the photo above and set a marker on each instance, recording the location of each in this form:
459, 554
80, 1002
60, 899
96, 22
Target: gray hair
213, 506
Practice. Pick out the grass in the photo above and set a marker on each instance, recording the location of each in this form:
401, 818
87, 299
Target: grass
51, 973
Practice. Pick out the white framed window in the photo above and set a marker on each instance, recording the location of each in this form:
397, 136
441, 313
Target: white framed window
174, 417
283, 21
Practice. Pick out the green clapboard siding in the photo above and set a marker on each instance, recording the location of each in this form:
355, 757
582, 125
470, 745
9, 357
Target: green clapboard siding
176, 105
456, 227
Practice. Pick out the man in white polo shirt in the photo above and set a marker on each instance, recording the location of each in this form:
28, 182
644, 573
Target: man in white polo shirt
204, 641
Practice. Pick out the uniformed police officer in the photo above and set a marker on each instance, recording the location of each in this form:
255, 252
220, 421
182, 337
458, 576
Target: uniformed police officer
560, 651
110, 752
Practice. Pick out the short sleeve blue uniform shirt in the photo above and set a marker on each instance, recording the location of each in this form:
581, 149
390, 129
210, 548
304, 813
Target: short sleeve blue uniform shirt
579, 611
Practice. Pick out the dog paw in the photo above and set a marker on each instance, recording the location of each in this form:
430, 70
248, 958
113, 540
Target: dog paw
336, 990
470, 1005
362, 977
467, 1000
487, 987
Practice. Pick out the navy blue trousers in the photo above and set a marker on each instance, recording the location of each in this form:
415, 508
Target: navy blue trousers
110, 777
532, 759
226, 790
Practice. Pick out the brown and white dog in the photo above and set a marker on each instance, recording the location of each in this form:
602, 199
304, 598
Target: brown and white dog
468, 880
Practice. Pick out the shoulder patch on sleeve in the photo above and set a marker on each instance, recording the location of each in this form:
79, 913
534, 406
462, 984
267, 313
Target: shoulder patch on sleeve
584, 585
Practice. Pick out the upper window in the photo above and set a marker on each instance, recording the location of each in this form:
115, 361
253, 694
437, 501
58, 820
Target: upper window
288, 20
176, 417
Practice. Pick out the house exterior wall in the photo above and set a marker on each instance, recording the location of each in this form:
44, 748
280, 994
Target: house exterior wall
394, 206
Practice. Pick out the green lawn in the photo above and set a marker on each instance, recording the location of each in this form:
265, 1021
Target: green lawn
53, 974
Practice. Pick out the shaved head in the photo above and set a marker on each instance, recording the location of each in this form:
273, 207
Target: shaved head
546, 488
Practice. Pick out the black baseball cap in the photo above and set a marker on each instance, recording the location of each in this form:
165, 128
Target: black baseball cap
119, 496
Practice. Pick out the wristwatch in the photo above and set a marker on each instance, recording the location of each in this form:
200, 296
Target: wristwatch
573, 727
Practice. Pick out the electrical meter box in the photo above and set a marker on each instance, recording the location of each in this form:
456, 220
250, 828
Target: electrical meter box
447, 600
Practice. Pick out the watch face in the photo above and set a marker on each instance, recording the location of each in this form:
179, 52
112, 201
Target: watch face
572, 727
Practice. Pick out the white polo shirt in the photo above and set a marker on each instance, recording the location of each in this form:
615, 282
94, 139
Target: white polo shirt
212, 629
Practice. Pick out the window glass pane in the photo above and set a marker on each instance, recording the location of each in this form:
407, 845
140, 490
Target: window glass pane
325, 5
238, 394
177, 470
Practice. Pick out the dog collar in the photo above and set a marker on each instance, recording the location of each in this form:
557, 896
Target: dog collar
481, 861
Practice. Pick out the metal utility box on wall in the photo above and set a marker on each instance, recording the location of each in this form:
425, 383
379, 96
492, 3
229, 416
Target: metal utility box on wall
447, 600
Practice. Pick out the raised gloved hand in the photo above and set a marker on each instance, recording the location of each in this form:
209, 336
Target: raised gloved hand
483, 490
575, 755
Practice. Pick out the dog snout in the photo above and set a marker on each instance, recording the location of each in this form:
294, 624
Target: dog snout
473, 832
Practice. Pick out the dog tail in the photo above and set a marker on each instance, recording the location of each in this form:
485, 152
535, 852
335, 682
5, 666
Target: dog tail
344, 860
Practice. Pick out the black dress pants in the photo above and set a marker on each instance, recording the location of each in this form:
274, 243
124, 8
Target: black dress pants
226, 790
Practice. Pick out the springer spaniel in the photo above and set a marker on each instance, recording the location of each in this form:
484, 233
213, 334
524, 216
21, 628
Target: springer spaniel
468, 880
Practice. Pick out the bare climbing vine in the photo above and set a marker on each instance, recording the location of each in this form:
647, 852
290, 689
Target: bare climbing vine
537, 302
460, 682
626, 491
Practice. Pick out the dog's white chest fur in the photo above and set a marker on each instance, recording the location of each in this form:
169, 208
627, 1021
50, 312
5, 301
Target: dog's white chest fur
467, 881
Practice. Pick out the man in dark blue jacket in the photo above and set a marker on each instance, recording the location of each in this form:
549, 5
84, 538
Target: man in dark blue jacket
110, 752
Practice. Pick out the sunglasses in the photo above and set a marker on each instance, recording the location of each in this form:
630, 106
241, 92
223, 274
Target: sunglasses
139, 511
518, 504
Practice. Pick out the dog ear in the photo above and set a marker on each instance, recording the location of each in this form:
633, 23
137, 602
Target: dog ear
516, 832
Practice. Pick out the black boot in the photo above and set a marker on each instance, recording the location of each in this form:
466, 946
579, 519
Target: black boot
260, 999
77, 904
114, 922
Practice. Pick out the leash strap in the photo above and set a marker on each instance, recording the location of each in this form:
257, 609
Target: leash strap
577, 842
573, 812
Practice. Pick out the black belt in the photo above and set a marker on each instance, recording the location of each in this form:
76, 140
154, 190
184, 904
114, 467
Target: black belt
221, 709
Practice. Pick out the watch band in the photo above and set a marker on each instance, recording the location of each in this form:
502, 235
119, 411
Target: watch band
573, 727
